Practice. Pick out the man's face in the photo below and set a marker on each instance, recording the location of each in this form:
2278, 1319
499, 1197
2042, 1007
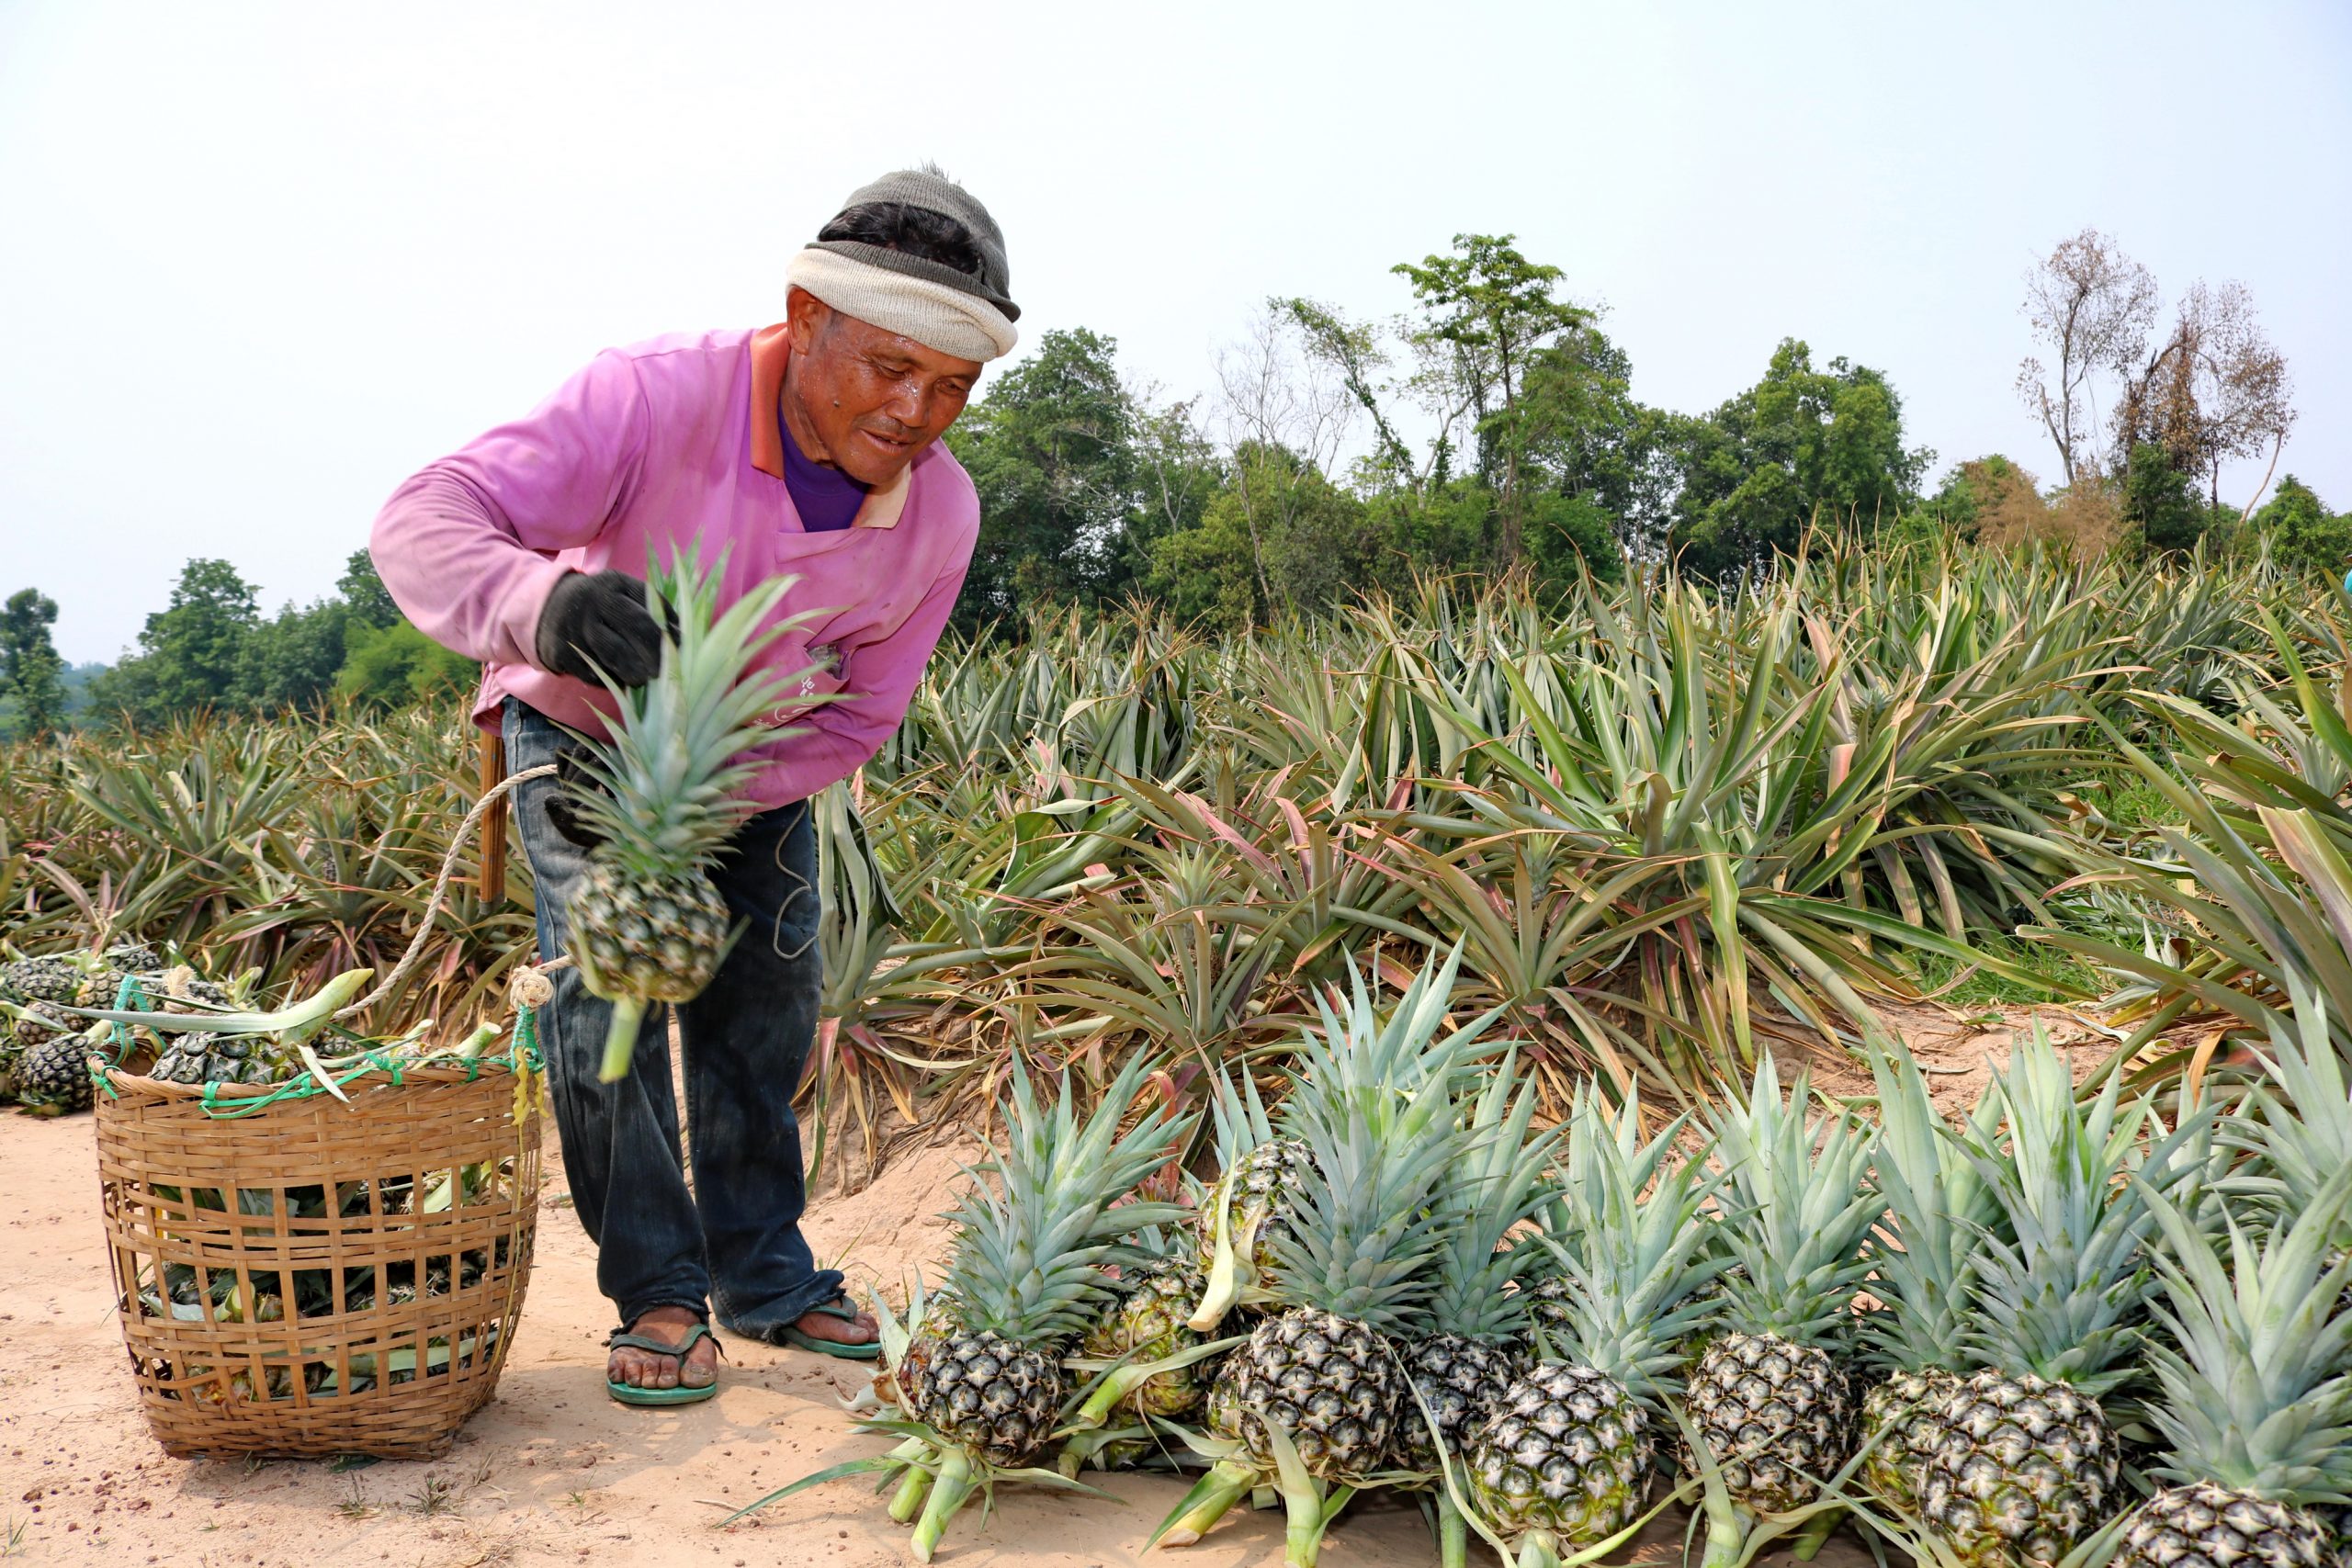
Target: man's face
865, 399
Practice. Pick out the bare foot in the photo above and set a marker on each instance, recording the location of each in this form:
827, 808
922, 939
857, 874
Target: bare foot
642, 1368
840, 1331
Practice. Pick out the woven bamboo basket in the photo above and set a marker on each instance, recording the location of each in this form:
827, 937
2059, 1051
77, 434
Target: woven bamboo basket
302, 1277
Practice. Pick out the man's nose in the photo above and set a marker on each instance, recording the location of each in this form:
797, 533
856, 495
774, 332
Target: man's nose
911, 406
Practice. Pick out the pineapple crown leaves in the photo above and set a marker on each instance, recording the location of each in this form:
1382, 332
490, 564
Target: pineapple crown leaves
1385, 1063
1940, 1206
2299, 1126
672, 764
1031, 1242
1237, 1118
1797, 1205
1365, 1226
2258, 1392
2064, 1274
1629, 1239
1501, 1183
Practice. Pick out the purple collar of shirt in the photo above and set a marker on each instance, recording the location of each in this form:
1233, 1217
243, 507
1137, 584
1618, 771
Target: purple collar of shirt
826, 498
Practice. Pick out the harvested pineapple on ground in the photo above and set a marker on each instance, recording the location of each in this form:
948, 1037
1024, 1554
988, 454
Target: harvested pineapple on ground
1563, 1465
1772, 1399
2257, 1407
2026, 1461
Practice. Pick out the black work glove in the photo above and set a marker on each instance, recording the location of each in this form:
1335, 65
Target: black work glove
597, 622
572, 780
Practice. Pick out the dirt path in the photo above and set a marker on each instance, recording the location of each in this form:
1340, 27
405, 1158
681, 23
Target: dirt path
552, 1472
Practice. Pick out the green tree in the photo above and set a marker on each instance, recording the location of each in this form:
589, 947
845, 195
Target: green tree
1596, 445
1279, 539
393, 665
1799, 446
1487, 314
31, 675
2302, 535
292, 660
371, 602
1051, 448
2160, 501
191, 654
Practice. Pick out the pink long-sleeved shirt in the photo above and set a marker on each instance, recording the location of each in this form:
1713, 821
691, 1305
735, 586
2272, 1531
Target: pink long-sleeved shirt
649, 447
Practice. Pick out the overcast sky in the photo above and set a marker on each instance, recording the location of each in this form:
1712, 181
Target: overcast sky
259, 262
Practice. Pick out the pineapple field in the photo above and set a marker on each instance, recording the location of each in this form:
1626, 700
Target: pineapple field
1439, 1074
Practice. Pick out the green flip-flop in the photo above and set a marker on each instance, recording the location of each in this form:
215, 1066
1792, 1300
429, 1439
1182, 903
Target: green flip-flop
624, 1394
838, 1307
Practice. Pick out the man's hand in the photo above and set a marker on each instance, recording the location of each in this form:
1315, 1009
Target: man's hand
595, 625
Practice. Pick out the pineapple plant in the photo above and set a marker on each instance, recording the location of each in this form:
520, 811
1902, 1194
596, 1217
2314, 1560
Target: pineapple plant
983, 1382
2256, 1412
1312, 1402
1563, 1463
2026, 1460
1770, 1399
1923, 1273
645, 924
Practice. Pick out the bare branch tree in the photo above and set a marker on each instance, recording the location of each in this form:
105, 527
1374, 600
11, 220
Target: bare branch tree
2093, 306
1279, 407
2216, 389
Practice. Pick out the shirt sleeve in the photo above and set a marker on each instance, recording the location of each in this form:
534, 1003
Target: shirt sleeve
466, 546
834, 740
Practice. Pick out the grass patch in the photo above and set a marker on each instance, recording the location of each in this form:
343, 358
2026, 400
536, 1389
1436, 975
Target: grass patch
2056, 969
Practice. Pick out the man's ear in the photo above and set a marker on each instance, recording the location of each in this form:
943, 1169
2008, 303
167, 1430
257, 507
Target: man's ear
807, 316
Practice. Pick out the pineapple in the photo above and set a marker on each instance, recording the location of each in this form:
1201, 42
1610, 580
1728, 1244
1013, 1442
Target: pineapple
645, 924
1313, 1400
1563, 1462
55, 1077
2027, 1459
2257, 1408
1240, 1216
985, 1378
1479, 1315
1923, 1272
1147, 1323
1771, 1401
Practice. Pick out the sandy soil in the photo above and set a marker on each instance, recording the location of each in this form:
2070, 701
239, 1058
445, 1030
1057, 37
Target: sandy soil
552, 1471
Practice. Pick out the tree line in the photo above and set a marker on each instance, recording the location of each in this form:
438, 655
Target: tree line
1490, 427
212, 647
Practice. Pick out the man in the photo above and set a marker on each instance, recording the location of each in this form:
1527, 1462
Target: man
806, 448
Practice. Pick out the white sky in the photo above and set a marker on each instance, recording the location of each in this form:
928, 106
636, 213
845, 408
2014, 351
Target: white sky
259, 263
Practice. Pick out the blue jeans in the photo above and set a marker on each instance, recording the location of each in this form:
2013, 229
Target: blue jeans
732, 1238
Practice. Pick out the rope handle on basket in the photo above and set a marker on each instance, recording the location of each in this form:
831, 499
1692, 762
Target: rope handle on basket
490, 798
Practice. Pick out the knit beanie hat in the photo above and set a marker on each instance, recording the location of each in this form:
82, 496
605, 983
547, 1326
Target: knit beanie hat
965, 314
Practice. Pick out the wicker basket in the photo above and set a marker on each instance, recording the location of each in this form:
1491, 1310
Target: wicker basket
301, 1277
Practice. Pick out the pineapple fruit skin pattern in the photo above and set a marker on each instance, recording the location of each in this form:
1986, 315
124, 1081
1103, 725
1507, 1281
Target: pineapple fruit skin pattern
1460, 1380
2024, 1468
1568, 1450
1778, 1417
1329, 1380
2206, 1525
656, 938
1147, 1325
1910, 1403
992, 1396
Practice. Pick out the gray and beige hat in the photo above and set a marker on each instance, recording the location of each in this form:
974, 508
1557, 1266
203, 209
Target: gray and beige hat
967, 314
